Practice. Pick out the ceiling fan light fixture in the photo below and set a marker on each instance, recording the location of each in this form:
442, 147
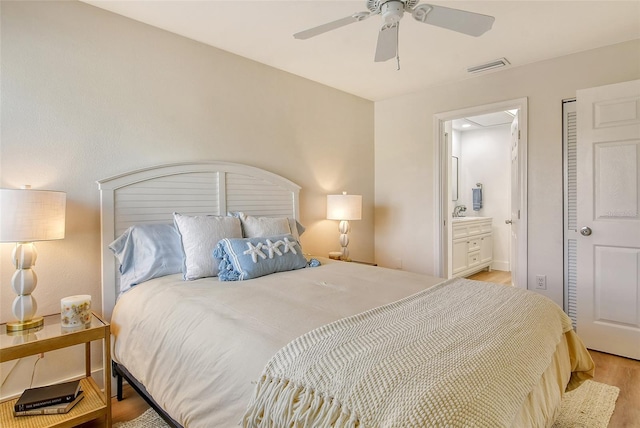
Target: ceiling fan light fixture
491, 65
392, 11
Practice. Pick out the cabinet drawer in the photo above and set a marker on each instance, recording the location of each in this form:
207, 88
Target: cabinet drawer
459, 231
470, 229
474, 244
474, 229
474, 259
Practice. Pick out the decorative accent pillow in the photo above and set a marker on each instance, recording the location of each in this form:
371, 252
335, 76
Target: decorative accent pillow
296, 228
255, 227
147, 251
249, 258
199, 236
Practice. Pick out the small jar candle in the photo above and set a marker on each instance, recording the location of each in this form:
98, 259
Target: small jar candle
75, 310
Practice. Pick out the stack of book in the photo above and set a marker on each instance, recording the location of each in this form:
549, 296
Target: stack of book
49, 400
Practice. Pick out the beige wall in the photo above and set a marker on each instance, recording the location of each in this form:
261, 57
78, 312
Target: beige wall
87, 94
404, 154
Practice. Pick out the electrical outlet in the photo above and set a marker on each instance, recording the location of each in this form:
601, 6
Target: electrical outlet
541, 282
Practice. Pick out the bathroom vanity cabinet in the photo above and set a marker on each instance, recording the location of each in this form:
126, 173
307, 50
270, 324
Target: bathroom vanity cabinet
472, 245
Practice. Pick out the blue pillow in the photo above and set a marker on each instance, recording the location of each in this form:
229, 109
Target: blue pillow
147, 251
247, 258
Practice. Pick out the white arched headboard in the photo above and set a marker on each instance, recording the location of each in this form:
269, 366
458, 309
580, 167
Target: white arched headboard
151, 195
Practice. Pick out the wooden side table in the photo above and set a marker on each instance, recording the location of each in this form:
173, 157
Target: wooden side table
95, 404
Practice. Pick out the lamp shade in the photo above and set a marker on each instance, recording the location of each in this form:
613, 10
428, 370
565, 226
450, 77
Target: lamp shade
31, 215
344, 207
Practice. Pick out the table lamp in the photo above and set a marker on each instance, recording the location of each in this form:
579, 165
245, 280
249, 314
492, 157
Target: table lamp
344, 208
26, 216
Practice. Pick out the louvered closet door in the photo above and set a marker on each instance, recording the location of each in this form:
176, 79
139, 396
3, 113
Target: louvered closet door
570, 139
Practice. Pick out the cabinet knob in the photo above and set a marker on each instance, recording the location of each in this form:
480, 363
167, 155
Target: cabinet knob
508, 221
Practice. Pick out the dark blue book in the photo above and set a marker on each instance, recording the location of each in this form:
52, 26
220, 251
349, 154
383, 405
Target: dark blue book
35, 398
54, 409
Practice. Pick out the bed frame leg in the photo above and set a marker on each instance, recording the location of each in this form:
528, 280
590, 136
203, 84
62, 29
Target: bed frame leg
118, 376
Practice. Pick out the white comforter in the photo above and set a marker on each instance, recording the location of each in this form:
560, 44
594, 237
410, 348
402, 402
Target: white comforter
200, 346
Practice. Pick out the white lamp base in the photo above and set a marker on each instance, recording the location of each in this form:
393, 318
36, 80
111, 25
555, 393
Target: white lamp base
24, 281
344, 240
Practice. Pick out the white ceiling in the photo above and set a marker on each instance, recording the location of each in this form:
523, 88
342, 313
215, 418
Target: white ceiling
523, 32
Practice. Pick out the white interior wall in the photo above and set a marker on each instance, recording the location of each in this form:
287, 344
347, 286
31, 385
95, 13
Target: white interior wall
87, 94
404, 155
486, 158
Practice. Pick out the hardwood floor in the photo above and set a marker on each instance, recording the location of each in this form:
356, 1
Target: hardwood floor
496, 276
625, 374
129, 408
610, 369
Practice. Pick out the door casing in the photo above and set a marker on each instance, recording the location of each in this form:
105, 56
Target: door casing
442, 155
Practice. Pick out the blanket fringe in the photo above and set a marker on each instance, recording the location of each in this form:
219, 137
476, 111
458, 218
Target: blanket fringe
281, 403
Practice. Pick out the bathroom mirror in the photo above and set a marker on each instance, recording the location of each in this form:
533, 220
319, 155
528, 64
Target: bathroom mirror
454, 178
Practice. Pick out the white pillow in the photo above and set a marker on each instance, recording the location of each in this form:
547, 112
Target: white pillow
258, 227
296, 228
199, 236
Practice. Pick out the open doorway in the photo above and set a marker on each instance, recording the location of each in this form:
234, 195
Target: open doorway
481, 191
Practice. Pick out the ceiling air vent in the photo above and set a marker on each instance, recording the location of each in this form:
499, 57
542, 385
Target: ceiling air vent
491, 65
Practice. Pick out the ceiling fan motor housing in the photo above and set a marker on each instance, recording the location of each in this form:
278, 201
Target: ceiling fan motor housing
376, 6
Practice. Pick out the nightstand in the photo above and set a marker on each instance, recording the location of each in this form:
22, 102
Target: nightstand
364, 263
332, 256
96, 403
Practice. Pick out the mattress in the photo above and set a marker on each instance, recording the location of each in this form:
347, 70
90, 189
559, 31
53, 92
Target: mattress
199, 347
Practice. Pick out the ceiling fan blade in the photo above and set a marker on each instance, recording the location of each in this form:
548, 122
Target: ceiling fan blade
387, 42
462, 21
320, 29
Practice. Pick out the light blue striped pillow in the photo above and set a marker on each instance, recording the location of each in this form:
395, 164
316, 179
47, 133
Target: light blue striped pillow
147, 251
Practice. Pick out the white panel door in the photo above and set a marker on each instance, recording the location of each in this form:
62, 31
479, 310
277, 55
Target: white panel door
608, 195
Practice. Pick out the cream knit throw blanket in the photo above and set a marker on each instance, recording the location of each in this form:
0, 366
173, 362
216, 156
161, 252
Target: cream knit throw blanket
460, 354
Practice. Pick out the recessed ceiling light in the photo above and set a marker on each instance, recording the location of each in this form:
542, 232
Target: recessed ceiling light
466, 125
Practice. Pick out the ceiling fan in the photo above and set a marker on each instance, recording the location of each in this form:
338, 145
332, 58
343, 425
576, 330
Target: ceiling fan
473, 24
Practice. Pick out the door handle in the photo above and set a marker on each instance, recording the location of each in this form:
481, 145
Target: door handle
508, 221
585, 231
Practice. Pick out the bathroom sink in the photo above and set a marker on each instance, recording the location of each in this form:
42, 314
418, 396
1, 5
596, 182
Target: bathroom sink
461, 219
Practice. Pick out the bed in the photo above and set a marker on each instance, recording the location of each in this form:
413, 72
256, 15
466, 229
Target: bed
339, 344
